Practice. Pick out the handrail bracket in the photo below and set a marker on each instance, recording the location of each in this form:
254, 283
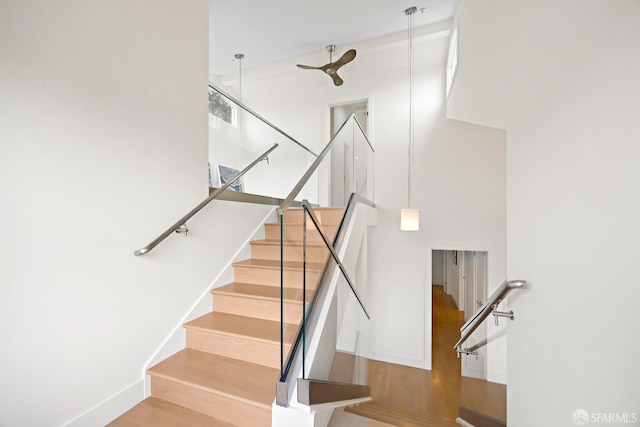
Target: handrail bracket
183, 229
497, 314
490, 307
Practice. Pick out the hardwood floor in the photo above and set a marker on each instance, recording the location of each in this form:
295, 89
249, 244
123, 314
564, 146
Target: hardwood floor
484, 397
435, 392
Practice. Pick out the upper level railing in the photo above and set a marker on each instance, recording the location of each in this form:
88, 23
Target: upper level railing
489, 308
259, 117
239, 135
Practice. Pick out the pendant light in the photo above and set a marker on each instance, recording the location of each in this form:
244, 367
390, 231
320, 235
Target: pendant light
409, 217
239, 57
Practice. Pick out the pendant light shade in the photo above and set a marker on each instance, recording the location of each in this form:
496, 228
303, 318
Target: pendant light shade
410, 220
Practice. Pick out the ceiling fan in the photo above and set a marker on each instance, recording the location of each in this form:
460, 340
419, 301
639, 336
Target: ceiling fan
332, 67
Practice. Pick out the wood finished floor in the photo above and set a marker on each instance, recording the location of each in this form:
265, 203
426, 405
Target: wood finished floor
436, 392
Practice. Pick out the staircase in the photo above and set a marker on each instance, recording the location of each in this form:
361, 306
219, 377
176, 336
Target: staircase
227, 374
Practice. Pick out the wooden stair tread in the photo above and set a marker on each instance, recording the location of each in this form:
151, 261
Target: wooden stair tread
265, 292
399, 417
326, 216
295, 234
237, 379
266, 242
288, 265
341, 418
160, 413
242, 326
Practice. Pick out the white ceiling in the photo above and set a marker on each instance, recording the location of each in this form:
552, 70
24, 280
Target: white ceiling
267, 31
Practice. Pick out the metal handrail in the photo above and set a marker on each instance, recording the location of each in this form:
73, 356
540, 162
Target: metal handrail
181, 222
259, 117
303, 181
363, 132
490, 307
316, 223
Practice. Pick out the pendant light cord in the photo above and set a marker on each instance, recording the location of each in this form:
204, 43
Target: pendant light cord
410, 17
239, 57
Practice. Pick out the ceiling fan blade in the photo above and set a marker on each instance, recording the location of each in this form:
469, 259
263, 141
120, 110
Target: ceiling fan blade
331, 69
345, 59
308, 67
336, 79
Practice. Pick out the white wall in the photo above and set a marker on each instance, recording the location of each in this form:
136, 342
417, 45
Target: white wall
449, 156
566, 88
104, 144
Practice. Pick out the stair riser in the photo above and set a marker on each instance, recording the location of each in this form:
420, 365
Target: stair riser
326, 217
258, 308
271, 277
295, 234
225, 408
291, 253
261, 353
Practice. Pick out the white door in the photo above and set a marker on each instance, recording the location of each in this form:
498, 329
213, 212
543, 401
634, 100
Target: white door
437, 268
476, 366
342, 153
453, 277
469, 284
481, 279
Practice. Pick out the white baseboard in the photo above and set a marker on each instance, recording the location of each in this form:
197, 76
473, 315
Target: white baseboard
110, 408
176, 340
463, 423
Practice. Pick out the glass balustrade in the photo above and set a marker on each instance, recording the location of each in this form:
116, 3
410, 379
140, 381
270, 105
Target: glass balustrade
322, 301
237, 136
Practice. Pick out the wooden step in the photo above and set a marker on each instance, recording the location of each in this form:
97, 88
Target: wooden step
160, 413
292, 251
259, 301
267, 272
341, 418
234, 391
399, 417
326, 216
294, 233
243, 338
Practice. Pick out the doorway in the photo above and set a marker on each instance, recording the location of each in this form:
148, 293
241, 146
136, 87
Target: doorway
342, 176
462, 274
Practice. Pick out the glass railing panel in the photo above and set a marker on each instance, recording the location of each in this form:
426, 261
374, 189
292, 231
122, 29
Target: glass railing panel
237, 136
341, 355
363, 164
299, 277
333, 348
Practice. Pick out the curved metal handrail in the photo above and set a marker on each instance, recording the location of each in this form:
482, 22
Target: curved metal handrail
259, 117
181, 222
487, 309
